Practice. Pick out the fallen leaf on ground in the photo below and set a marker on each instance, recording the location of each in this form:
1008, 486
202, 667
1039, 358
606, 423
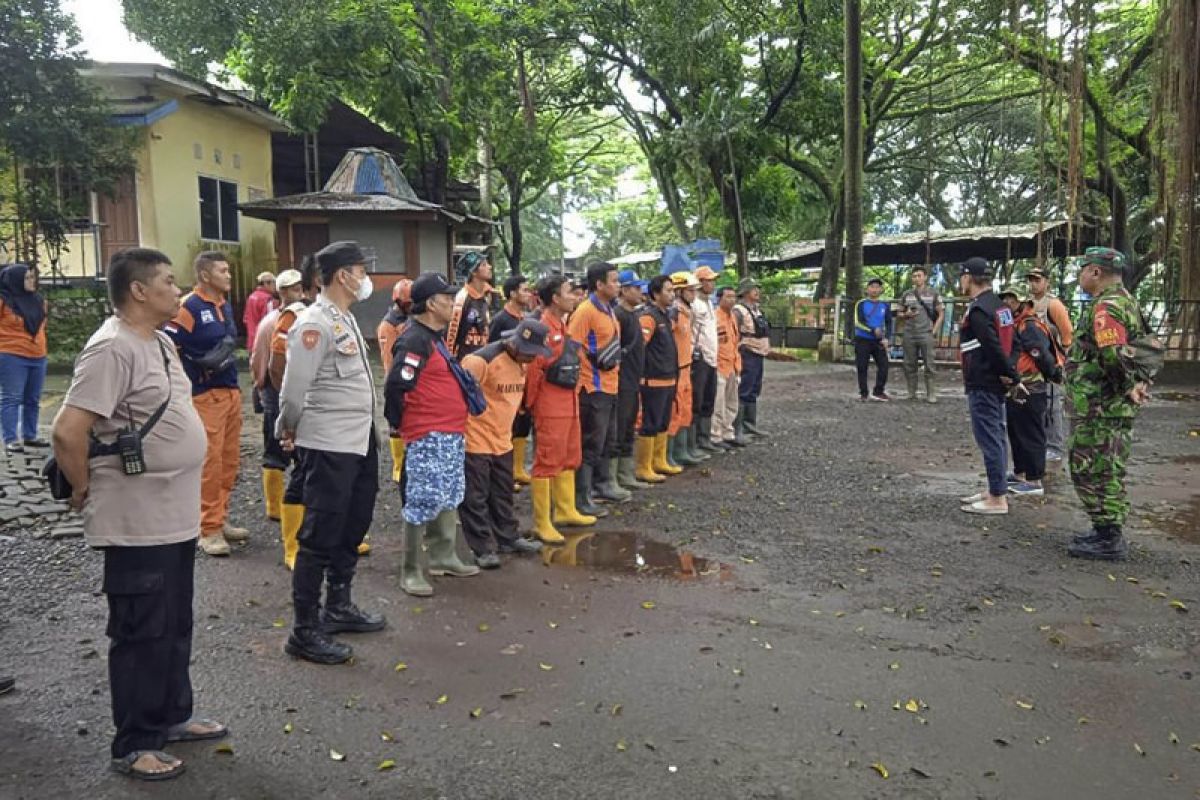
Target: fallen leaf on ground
544, 667
1137, 748
1024, 705
754, 621
401, 666
1028, 609
648, 604
860, 705
895, 665
476, 713
288, 728
1172, 738
484, 627
552, 625
746, 559
621, 746
278, 623
881, 769
442, 699
386, 737
386, 764
616, 709
336, 756
1178, 605
912, 706
224, 748
920, 773
738, 671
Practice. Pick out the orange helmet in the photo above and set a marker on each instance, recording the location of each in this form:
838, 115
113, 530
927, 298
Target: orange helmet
402, 294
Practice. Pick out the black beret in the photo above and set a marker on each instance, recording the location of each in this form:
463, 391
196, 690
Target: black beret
338, 255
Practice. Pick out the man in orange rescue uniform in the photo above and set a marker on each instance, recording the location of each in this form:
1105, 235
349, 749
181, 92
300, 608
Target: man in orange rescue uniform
551, 383
685, 285
486, 512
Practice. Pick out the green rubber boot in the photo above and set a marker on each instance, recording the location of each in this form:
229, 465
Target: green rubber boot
441, 536
412, 572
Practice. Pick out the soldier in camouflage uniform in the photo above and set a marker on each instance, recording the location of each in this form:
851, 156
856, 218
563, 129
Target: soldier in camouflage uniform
1103, 399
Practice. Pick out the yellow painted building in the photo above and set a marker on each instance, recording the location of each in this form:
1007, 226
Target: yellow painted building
201, 151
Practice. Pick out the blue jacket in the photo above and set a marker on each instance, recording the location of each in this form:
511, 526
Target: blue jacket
872, 314
201, 325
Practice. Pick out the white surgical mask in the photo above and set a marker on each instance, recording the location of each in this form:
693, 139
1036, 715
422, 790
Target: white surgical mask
365, 289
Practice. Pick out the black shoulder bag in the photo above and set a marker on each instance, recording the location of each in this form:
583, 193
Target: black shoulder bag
128, 444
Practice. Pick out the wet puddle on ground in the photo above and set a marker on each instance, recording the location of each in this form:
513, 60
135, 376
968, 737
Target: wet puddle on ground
1181, 522
631, 553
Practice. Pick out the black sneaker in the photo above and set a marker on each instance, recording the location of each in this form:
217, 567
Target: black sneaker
1109, 545
7, 683
37, 443
1087, 536
520, 546
14, 448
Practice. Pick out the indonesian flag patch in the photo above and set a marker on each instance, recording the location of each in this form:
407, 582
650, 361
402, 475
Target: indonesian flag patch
412, 360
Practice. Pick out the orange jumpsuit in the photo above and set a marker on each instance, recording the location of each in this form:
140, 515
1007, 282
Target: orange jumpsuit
681, 328
555, 410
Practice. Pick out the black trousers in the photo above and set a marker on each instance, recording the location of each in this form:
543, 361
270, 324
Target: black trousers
1027, 435
273, 455
628, 402
150, 641
339, 503
704, 388
597, 426
486, 511
750, 385
864, 351
294, 493
656, 409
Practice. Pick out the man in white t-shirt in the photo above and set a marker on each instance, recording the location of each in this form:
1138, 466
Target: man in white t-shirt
141, 506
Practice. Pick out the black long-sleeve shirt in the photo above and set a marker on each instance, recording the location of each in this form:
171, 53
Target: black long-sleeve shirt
986, 344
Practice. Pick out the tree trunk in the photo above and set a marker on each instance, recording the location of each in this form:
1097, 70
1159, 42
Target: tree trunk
727, 191
669, 190
516, 238
831, 259
852, 147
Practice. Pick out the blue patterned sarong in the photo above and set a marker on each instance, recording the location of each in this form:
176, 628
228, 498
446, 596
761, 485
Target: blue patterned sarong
433, 475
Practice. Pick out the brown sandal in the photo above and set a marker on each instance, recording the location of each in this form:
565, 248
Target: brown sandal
125, 766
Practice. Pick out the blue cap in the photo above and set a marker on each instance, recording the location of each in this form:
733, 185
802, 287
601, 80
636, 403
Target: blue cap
628, 277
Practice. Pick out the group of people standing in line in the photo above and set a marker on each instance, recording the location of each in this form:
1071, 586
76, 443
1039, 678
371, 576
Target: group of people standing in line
620, 383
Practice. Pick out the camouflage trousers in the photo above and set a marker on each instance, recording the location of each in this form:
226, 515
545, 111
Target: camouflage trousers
1098, 450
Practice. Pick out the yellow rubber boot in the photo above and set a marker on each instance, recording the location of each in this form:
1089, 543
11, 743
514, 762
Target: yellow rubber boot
397, 445
273, 491
660, 457
643, 451
520, 474
543, 528
565, 512
364, 547
291, 518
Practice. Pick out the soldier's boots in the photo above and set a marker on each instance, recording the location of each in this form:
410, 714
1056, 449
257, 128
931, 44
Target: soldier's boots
340, 615
912, 386
930, 387
750, 420
310, 643
1108, 545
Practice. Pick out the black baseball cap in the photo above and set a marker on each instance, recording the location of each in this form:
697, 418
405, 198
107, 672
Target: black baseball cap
976, 267
529, 337
875, 280
430, 284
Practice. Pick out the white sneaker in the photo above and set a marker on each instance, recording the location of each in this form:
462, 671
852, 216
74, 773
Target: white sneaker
214, 545
233, 534
973, 498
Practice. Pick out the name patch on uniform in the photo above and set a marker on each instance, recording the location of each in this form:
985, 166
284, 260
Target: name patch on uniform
206, 316
1109, 331
310, 339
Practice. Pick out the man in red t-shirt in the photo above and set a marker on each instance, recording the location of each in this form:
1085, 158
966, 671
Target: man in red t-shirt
260, 301
425, 402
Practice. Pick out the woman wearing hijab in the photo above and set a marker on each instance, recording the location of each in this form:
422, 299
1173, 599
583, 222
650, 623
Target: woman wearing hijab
22, 356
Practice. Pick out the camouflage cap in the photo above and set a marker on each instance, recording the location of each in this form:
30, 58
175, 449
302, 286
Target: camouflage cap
1105, 258
1014, 290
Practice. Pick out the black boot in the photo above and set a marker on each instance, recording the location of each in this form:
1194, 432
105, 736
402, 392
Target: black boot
750, 420
342, 616
309, 642
1090, 535
1109, 545
704, 436
584, 503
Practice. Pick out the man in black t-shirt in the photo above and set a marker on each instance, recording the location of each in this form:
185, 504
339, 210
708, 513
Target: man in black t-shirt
516, 303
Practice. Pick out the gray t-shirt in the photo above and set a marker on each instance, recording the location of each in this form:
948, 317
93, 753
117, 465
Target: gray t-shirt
120, 374
921, 324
